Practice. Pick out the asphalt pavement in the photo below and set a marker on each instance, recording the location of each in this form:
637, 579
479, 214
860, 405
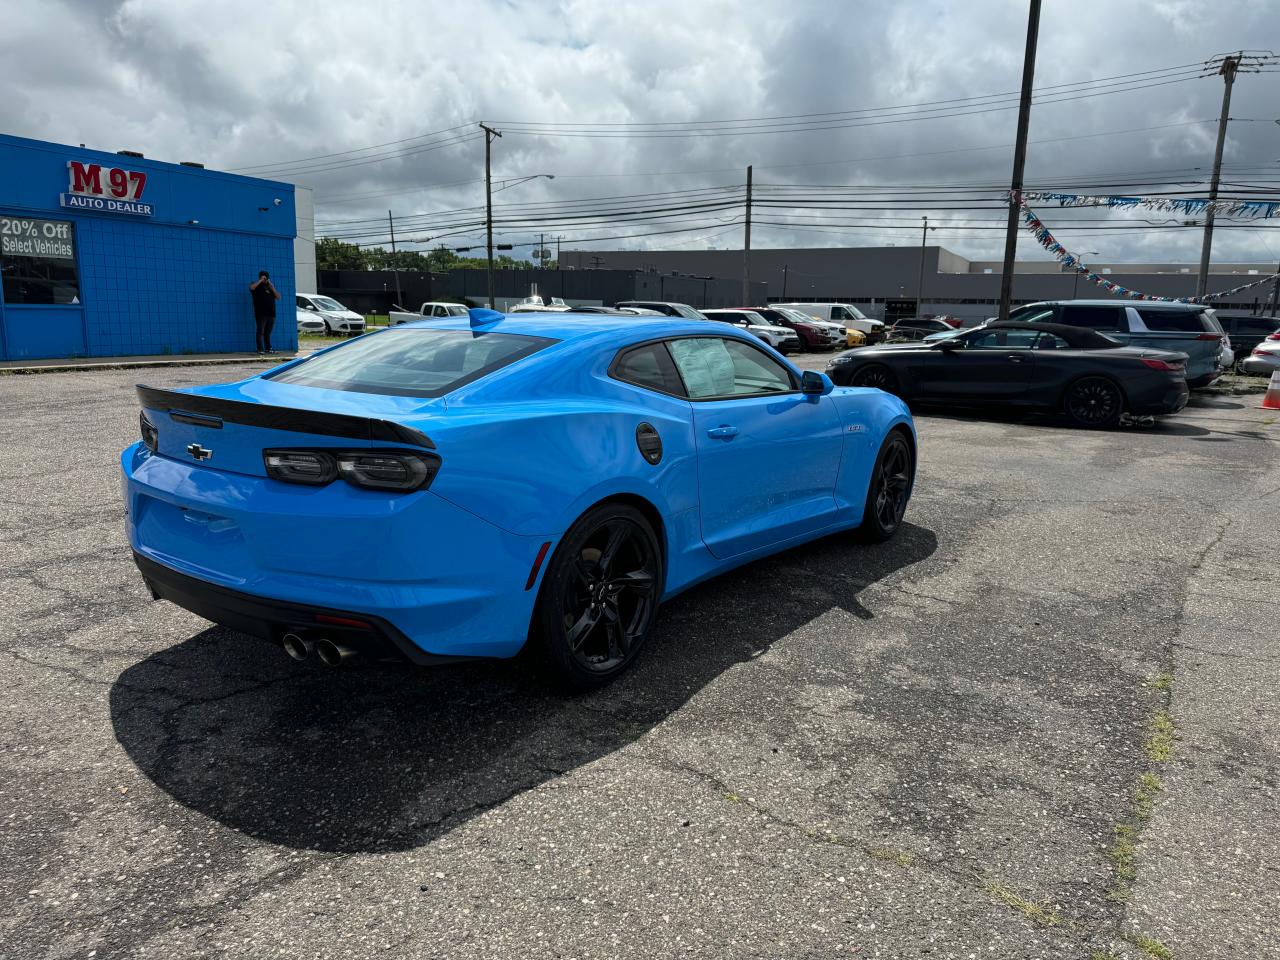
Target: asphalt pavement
1040, 723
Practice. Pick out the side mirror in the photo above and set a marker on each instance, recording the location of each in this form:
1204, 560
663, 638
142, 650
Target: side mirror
951, 343
814, 383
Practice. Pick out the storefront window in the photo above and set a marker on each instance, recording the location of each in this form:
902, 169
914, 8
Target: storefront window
38, 261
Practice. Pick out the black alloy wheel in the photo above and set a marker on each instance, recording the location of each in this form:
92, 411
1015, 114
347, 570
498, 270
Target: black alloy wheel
875, 375
600, 595
1094, 402
890, 488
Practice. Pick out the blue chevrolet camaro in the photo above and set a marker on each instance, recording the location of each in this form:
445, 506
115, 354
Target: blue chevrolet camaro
454, 489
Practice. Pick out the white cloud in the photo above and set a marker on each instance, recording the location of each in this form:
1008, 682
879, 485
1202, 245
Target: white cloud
238, 83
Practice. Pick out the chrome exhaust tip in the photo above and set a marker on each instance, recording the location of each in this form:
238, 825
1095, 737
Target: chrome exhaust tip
333, 654
296, 647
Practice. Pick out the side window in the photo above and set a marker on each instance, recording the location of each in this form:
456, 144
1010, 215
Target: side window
1039, 315
840, 314
1258, 325
715, 368
1003, 338
1095, 318
1049, 341
649, 366
1184, 321
302, 304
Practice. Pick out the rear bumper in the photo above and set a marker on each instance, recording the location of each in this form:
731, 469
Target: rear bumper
425, 571
1171, 399
1203, 380
1256, 365
270, 619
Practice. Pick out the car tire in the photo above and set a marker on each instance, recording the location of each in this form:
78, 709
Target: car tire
875, 375
1093, 402
599, 596
892, 479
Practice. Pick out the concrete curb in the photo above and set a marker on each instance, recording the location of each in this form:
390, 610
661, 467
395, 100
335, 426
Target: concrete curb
109, 364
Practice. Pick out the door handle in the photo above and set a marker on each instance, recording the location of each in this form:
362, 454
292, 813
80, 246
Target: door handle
722, 432
1016, 358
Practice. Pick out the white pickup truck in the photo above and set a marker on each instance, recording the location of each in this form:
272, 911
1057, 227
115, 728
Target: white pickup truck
430, 309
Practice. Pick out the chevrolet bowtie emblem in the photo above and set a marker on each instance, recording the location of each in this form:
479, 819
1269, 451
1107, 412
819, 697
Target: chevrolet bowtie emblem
199, 452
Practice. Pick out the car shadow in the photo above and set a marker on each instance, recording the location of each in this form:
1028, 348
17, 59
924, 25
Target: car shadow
389, 758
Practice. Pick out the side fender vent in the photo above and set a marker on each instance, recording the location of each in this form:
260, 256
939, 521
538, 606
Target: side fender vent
649, 442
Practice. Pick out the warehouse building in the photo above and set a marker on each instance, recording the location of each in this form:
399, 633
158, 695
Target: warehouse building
885, 282
113, 254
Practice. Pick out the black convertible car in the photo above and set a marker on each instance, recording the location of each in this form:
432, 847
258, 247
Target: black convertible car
1082, 373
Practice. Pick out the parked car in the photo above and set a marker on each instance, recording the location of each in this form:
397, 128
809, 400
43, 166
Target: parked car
1247, 330
426, 493
337, 318
854, 338
837, 331
308, 322
917, 328
618, 311
1265, 358
1090, 377
1186, 327
663, 307
813, 334
430, 309
782, 339
845, 314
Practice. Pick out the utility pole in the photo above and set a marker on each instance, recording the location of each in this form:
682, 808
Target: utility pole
489, 135
784, 283
1228, 70
558, 239
542, 250
392, 224
1019, 159
1275, 291
924, 236
746, 249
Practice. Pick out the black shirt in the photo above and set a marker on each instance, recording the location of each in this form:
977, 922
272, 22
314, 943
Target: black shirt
264, 300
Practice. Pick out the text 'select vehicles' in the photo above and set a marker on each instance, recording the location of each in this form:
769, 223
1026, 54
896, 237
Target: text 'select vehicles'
449, 488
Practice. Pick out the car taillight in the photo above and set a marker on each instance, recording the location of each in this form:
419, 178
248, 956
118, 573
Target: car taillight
398, 470
953, 322
1273, 336
300, 466
150, 435
1164, 365
1211, 336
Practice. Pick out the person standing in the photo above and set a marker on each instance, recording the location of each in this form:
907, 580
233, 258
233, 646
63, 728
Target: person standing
265, 296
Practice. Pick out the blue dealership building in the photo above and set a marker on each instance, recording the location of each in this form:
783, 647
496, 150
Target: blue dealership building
113, 254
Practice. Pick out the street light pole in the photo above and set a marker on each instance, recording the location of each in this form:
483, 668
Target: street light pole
1019, 159
1228, 71
746, 248
489, 135
1075, 286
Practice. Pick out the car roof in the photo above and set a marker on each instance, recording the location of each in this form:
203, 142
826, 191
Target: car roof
1075, 336
1144, 304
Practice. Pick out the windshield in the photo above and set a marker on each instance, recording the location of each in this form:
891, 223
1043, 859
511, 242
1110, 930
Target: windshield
411, 362
324, 303
688, 312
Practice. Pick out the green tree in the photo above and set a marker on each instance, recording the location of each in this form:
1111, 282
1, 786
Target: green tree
333, 254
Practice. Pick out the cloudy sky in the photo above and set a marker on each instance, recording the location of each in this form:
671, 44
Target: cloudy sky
374, 105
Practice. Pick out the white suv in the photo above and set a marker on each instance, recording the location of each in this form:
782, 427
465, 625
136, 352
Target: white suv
782, 339
337, 318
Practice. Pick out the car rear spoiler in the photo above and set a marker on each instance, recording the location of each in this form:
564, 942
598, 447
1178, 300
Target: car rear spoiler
214, 411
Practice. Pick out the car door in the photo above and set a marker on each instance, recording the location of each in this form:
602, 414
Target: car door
768, 454
990, 364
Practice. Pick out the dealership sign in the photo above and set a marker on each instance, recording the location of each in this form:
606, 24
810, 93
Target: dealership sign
94, 187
